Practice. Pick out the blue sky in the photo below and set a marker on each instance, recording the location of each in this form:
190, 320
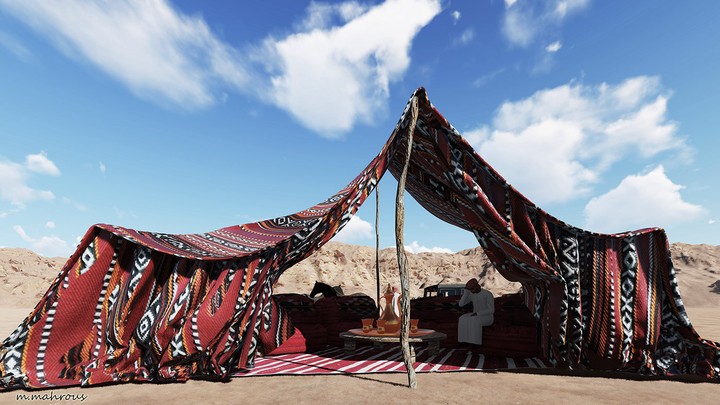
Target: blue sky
189, 116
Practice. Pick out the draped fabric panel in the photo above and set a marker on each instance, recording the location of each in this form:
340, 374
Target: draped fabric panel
145, 306
603, 301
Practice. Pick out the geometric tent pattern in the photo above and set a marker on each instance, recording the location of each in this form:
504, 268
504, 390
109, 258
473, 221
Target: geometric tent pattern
144, 306
366, 360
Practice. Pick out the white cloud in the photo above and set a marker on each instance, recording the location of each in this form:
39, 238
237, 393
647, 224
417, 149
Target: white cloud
642, 200
712, 221
14, 177
318, 16
46, 245
321, 15
331, 73
543, 163
563, 7
645, 128
330, 78
355, 230
487, 77
351, 9
455, 16
554, 47
544, 64
20, 231
160, 54
562, 139
517, 29
416, 247
78, 206
524, 21
477, 136
465, 37
50, 225
39, 163
17, 49
102, 168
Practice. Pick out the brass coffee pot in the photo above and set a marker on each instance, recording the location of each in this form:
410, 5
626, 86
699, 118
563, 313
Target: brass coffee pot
390, 311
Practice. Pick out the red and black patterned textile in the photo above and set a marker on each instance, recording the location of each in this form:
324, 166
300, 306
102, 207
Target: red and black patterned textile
292, 326
603, 301
144, 306
339, 314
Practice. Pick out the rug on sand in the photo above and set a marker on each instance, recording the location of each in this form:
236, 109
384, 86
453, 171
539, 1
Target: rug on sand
382, 360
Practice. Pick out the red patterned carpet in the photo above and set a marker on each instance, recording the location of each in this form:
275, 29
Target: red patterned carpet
382, 360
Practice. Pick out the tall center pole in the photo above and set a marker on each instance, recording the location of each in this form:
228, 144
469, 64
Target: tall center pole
401, 256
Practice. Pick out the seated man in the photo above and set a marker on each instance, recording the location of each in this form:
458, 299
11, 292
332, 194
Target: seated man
470, 325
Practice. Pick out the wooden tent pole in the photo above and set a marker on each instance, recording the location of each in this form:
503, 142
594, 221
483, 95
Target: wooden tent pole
377, 247
401, 256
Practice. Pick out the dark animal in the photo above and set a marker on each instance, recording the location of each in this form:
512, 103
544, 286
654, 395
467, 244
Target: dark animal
324, 289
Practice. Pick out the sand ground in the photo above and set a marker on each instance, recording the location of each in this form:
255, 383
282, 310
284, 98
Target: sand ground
553, 387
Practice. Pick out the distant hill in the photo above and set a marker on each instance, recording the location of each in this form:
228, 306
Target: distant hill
353, 268
25, 276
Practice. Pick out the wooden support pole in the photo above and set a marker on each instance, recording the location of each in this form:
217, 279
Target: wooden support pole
401, 256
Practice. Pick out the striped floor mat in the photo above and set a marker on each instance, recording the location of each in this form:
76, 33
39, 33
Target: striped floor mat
384, 360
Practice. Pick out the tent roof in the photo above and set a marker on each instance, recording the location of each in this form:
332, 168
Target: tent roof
130, 302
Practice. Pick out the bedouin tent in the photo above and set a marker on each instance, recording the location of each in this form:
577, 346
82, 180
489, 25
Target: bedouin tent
143, 306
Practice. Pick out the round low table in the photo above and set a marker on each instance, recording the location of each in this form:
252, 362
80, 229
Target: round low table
429, 336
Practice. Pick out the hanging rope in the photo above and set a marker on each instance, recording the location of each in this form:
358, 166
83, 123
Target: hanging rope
401, 256
377, 247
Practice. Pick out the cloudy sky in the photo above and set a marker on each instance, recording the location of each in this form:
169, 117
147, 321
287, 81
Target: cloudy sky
186, 116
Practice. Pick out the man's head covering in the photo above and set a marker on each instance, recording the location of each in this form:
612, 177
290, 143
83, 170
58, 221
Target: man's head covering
472, 284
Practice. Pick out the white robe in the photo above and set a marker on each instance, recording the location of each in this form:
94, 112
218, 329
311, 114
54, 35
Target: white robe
470, 325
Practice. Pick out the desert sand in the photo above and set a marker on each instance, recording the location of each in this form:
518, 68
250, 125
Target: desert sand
24, 277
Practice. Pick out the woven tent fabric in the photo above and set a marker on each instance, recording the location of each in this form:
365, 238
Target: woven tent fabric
143, 306
602, 301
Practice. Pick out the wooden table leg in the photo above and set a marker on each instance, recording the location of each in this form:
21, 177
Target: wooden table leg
412, 353
349, 346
